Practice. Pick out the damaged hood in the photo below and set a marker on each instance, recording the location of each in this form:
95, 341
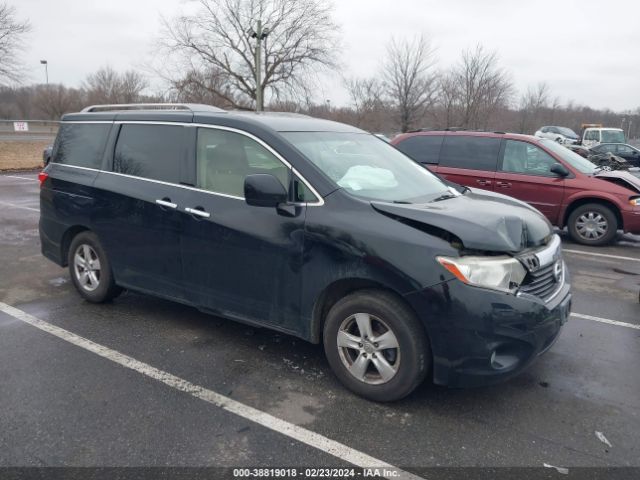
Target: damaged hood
482, 220
627, 177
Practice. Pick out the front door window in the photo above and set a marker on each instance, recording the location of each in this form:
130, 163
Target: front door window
526, 158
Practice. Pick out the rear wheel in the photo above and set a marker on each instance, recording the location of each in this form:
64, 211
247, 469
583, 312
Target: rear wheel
593, 224
90, 269
376, 346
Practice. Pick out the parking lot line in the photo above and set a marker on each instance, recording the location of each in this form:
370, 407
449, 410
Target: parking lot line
315, 440
12, 205
21, 178
605, 320
606, 255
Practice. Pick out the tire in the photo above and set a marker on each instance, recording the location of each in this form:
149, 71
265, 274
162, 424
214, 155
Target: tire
407, 364
584, 222
92, 278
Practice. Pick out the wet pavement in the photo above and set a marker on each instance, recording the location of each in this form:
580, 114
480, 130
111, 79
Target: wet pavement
65, 406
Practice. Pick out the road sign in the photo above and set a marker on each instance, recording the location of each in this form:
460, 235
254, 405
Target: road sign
20, 127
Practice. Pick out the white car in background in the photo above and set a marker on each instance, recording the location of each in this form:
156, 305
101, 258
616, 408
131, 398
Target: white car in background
562, 135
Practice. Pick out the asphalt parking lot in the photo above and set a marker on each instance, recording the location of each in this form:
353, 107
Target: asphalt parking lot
67, 402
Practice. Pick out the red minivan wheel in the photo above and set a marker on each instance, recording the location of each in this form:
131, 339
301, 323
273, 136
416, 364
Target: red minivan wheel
592, 224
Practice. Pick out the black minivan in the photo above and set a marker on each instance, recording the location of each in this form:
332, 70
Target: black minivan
310, 227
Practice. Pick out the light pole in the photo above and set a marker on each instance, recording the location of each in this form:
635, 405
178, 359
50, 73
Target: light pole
259, 34
46, 69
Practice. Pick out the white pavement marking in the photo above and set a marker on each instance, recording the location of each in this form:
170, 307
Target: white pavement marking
303, 435
21, 178
605, 320
13, 205
606, 255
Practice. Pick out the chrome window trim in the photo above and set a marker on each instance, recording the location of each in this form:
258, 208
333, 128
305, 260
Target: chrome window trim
169, 184
317, 203
85, 121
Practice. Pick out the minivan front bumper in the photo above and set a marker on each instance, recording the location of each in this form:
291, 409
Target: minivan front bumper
480, 337
631, 220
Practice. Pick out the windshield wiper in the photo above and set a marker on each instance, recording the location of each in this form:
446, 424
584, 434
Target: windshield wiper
446, 196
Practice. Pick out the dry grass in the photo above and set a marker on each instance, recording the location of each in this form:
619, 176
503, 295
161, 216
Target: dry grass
21, 155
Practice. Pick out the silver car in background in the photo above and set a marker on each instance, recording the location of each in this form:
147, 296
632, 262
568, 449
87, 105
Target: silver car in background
562, 135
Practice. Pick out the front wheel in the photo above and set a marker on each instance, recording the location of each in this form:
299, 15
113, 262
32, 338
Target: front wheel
90, 269
592, 224
376, 346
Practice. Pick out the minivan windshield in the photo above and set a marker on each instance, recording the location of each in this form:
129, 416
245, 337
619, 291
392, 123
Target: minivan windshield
612, 136
368, 167
576, 161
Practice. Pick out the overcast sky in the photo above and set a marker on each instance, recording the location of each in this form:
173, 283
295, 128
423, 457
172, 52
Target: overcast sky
587, 51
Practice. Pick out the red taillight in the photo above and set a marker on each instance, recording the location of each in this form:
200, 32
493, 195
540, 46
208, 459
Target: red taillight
42, 176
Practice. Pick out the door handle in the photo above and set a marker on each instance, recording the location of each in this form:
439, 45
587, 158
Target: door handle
166, 202
198, 211
503, 184
483, 182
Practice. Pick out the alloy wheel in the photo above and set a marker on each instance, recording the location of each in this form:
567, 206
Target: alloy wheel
368, 348
86, 266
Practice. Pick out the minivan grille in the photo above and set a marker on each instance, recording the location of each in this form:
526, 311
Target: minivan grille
544, 282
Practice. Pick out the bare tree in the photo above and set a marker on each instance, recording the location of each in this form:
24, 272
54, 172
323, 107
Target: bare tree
108, 86
56, 100
367, 98
205, 87
301, 40
12, 33
132, 84
448, 100
533, 104
410, 79
482, 87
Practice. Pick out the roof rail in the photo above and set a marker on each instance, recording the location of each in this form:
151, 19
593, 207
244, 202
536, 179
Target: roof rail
192, 107
271, 113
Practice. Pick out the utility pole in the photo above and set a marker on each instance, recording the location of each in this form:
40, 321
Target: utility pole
46, 69
259, 34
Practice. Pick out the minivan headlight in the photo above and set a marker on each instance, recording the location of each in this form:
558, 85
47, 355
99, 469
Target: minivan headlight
501, 273
635, 201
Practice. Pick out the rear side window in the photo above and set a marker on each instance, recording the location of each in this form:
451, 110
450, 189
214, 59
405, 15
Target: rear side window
474, 153
150, 151
81, 144
422, 148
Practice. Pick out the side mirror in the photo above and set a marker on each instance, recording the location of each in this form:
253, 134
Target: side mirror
264, 190
559, 170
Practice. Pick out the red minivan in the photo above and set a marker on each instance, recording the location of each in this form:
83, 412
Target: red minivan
568, 189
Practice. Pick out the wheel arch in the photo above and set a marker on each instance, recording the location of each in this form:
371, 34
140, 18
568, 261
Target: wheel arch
341, 288
586, 200
68, 236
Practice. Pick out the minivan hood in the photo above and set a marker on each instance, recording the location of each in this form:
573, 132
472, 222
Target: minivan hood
632, 181
482, 220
